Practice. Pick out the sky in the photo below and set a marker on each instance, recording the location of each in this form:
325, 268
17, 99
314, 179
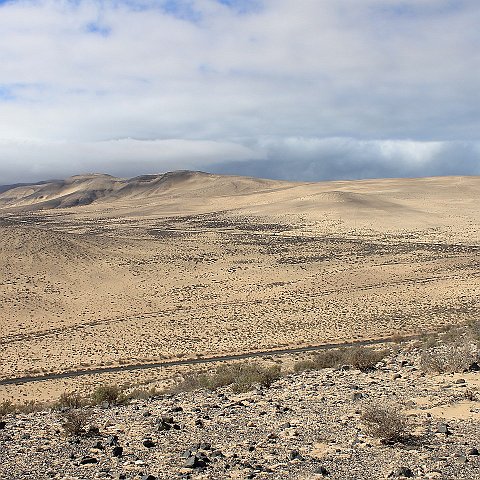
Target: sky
290, 89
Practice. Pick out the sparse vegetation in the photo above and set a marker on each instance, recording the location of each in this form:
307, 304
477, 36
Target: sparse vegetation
6, 407
471, 395
363, 358
242, 377
386, 422
29, 406
143, 394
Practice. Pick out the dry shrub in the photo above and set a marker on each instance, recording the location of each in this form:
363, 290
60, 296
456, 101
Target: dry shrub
429, 341
386, 422
364, 358
28, 406
241, 377
7, 407
303, 365
473, 333
329, 358
70, 400
471, 395
453, 357
75, 422
143, 394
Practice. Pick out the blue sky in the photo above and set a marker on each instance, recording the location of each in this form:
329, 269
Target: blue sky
304, 89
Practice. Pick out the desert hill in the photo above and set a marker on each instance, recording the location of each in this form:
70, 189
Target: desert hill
383, 205
81, 190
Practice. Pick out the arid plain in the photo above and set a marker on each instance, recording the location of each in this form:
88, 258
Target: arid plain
98, 271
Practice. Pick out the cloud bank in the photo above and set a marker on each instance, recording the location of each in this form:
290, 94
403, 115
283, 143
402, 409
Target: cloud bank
309, 89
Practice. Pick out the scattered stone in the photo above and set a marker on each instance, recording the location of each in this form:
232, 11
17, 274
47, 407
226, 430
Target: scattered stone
163, 427
404, 472
93, 431
88, 461
3, 424
473, 451
295, 455
112, 441
192, 462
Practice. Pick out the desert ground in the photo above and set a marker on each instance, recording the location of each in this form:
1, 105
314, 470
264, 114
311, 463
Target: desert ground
97, 271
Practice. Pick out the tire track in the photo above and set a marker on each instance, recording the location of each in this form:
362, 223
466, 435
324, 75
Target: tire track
205, 360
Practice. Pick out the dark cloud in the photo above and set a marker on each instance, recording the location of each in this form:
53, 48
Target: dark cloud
340, 159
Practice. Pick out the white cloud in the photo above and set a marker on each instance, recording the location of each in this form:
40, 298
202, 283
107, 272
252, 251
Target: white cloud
87, 72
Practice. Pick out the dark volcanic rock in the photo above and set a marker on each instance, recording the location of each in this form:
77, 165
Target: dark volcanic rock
117, 451
148, 442
321, 470
404, 472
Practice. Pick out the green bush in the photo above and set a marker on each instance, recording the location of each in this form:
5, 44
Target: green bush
110, 394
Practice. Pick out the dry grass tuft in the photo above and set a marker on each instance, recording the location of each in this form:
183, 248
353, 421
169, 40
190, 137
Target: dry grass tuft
447, 358
386, 422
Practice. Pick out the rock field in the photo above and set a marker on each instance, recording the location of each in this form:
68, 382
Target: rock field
305, 426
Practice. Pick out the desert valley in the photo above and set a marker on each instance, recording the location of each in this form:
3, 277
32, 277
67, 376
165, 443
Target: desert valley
102, 277
98, 271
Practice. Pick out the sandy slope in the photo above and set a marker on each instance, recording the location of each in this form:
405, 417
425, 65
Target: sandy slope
187, 264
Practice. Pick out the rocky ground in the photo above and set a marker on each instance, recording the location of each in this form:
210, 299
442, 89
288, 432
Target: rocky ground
305, 426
